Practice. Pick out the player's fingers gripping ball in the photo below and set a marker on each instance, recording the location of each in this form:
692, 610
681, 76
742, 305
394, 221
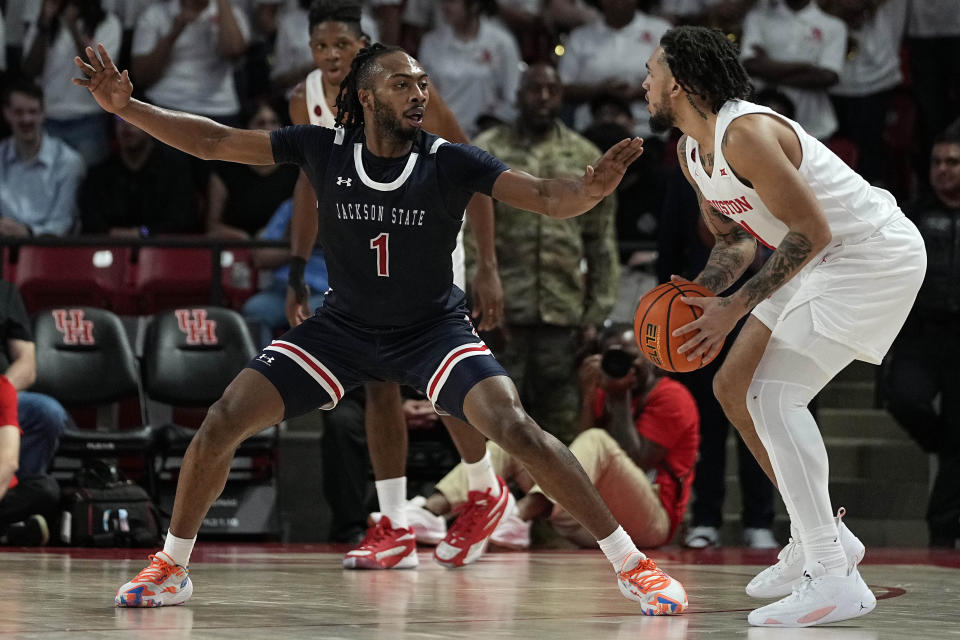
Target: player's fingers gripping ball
659, 313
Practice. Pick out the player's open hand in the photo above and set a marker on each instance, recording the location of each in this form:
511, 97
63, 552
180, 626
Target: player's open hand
110, 88
709, 330
601, 180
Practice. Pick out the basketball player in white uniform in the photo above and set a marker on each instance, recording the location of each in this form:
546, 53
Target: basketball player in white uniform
335, 39
846, 268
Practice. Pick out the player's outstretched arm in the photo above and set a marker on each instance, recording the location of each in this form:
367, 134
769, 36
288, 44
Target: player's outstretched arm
198, 136
568, 197
733, 249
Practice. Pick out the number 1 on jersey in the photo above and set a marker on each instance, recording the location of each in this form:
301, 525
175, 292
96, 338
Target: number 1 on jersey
381, 244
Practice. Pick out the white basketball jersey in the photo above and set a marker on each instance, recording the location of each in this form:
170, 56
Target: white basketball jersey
853, 208
317, 107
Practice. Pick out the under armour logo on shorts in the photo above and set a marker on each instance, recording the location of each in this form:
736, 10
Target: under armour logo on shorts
346, 181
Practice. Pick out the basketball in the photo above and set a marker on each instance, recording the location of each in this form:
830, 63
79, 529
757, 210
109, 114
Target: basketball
659, 313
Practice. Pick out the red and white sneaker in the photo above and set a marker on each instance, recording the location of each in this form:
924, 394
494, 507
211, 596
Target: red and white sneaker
641, 580
384, 548
162, 584
467, 538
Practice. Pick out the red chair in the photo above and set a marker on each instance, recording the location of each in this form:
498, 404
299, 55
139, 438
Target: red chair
167, 277
71, 276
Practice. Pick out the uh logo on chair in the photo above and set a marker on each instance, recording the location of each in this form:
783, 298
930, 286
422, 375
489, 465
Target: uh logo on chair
199, 329
76, 329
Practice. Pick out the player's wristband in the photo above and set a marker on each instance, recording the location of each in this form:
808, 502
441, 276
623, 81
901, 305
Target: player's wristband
297, 267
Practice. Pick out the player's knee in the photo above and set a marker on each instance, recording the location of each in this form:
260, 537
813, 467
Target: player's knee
729, 392
219, 428
521, 436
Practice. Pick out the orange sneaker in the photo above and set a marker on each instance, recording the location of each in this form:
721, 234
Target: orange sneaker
162, 584
467, 538
641, 580
384, 548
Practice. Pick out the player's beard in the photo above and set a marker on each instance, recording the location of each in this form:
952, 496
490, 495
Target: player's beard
663, 119
389, 125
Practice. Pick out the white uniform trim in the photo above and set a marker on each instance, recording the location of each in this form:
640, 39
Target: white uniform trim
381, 186
314, 368
436, 145
440, 376
316, 98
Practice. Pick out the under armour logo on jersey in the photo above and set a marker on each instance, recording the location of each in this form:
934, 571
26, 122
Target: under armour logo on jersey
264, 358
346, 181
73, 326
723, 172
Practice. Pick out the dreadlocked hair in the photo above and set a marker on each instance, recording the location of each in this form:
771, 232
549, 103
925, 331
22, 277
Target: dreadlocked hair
705, 63
349, 109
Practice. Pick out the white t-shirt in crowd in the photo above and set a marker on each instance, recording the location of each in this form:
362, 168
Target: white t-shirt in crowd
196, 78
129, 11
478, 77
873, 63
808, 35
934, 18
292, 48
62, 100
595, 53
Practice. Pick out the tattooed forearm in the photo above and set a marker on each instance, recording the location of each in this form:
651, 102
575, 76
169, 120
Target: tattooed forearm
794, 251
725, 264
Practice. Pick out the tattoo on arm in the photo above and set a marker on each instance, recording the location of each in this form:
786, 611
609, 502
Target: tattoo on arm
730, 255
792, 253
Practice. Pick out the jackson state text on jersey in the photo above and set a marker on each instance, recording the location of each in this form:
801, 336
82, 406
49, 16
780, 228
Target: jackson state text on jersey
388, 226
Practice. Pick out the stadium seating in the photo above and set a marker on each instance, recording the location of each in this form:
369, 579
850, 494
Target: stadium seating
71, 276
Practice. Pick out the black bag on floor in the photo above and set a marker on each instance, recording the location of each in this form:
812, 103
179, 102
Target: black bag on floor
105, 510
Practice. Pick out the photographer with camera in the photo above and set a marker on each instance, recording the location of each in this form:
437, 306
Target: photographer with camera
638, 439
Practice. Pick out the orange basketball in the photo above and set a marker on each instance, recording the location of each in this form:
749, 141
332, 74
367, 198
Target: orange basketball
659, 313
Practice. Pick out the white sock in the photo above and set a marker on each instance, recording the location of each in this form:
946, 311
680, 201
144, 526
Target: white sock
179, 549
392, 495
480, 475
822, 545
617, 547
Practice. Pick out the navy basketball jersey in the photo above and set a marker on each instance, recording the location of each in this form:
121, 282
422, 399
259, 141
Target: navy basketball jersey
388, 226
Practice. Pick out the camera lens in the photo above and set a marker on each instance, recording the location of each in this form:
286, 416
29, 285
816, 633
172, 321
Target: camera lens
616, 363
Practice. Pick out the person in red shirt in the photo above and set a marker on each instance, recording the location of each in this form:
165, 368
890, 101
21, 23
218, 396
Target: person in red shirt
638, 444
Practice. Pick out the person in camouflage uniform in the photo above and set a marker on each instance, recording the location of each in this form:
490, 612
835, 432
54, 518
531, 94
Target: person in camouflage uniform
550, 305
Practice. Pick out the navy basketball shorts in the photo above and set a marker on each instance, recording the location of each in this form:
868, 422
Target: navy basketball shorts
314, 364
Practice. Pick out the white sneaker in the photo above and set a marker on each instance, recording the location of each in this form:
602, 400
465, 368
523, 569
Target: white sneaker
757, 538
162, 584
428, 527
818, 600
787, 574
702, 538
512, 532
641, 580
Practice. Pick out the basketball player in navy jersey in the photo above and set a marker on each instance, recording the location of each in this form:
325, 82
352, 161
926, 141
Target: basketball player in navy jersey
335, 40
391, 199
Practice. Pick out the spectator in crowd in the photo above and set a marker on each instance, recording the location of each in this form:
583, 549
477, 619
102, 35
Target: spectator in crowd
39, 174
292, 54
242, 197
684, 244
40, 417
184, 52
144, 188
633, 424
474, 62
923, 363
63, 30
726, 15
26, 502
266, 307
870, 72
640, 193
550, 305
794, 46
933, 31
608, 56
